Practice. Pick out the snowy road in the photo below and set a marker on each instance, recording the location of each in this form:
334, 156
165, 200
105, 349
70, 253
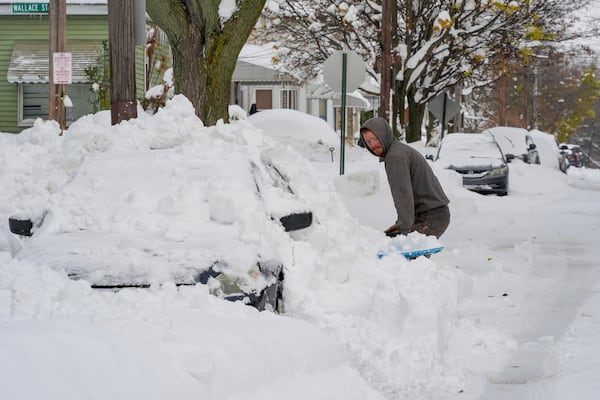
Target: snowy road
552, 289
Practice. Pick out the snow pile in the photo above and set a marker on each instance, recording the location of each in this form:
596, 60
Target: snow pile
354, 326
351, 315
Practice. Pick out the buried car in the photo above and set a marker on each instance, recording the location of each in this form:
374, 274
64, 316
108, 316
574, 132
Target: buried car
478, 159
133, 219
515, 141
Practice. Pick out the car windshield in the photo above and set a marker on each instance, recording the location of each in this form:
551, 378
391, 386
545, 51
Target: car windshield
510, 140
468, 146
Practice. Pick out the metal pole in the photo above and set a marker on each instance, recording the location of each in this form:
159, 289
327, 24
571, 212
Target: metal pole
444, 113
343, 134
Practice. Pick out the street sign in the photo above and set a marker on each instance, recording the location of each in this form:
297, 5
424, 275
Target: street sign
343, 71
444, 109
30, 8
443, 106
355, 71
62, 68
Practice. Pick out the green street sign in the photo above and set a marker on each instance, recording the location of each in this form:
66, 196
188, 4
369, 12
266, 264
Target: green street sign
30, 8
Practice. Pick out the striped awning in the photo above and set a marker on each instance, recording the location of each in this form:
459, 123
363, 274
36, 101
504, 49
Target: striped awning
29, 60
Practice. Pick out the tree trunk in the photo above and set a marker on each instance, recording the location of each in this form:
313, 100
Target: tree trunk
416, 112
204, 81
205, 49
398, 106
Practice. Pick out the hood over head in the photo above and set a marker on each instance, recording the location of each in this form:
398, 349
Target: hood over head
381, 128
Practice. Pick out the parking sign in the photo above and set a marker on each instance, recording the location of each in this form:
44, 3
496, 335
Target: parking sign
61, 63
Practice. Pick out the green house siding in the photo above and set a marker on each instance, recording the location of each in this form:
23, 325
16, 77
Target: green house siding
19, 28
8, 92
15, 28
140, 71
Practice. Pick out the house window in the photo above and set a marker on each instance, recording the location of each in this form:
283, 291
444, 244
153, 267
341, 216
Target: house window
28, 69
34, 101
264, 99
323, 109
289, 99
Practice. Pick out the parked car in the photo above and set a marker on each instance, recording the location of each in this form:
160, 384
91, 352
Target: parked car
478, 158
573, 154
549, 153
515, 141
134, 219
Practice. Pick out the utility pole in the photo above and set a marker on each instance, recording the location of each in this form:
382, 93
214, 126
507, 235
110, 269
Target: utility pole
386, 59
58, 44
122, 60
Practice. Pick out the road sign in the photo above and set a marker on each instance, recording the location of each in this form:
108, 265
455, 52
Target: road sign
355, 71
343, 71
30, 8
62, 68
442, 107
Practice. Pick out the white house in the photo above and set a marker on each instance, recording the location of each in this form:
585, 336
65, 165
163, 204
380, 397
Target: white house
258, 80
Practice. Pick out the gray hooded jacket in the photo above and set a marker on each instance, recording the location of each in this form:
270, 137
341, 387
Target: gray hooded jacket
415, 189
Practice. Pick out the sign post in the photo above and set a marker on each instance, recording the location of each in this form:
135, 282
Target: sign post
352, 76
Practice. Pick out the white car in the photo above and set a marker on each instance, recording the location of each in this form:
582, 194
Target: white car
550, 154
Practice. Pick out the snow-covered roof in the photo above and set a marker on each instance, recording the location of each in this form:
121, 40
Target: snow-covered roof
29, 60
262, 56
258, 63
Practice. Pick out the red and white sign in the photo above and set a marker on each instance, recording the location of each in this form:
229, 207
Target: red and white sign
62, 66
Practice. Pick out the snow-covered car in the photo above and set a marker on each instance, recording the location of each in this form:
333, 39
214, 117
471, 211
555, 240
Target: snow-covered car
317, 142
573, 154
133, 219
478, 159
549, 153
516, 141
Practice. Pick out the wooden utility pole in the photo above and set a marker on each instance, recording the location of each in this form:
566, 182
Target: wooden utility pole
122, 60
58, 44
386, 59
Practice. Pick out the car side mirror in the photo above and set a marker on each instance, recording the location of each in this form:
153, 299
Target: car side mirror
509, 157
532, 146
296, 221
429, 157
21, 227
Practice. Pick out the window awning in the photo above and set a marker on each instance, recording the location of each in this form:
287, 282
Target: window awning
29, 60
